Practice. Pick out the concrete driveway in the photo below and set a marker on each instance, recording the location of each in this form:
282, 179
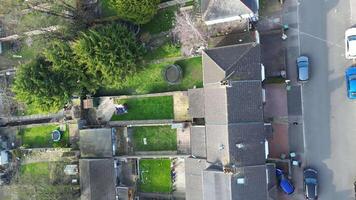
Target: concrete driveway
329, 117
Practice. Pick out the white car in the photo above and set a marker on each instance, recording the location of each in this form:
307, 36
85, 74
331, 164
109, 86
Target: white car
350, 43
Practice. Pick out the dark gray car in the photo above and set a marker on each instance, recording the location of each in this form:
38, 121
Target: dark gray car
303, 68
311, 184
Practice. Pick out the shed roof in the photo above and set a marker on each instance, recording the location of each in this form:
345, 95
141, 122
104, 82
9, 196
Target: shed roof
196, 102
224, 186
222, 9
97, 179
235, 62
242, 102
96, 143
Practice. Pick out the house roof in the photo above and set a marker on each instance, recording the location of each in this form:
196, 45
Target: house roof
242, 102
97, 179
225, 186
193, 178
198, 141
235, 62
240, 144
227, 9
96, 143
196, 102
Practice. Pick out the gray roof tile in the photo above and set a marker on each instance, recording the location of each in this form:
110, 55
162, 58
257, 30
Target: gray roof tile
97, 179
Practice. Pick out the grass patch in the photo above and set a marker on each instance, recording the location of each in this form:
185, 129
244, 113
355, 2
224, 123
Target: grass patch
147, 108
40, 137
35, 169
163, 21
159, 138
150, 79
106, 9
155, 175
167, 50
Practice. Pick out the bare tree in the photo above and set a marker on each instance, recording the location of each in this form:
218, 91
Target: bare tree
189, 32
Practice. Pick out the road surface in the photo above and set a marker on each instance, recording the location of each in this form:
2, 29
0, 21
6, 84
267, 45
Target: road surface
329, 117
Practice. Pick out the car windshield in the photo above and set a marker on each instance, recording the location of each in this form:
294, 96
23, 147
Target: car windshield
352, 37
311, 181
303, 64
352, 77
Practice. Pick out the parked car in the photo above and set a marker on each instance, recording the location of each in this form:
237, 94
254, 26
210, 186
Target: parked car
311, 184
350, 76
284, 182
350, 43
303, 68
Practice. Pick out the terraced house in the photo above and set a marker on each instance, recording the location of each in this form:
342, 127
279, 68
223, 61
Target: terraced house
228, 138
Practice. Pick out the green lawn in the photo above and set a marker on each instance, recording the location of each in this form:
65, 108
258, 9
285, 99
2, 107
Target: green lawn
40, 137
34, 169
158, 138
155, 175
150, 79
167, 50
147, 108
162, 21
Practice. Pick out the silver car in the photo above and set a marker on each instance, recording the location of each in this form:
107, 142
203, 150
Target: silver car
303, 68
311, 184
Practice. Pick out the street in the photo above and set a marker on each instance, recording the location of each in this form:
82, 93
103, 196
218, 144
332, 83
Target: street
329, 116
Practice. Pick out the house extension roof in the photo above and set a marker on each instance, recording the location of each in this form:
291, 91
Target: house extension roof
236, 62
240, 144
196, 102
242, 102
96, 143
198, 141
225, 186
224, 9
97, 179
193, 178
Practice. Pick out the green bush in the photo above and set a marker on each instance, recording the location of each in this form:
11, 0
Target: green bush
137, 11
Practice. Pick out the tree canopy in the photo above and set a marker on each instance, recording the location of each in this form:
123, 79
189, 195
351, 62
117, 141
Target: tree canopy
101, 55
108, 52
137, 11
49, 81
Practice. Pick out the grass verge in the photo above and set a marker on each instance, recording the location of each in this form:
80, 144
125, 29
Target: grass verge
158, 138
155, 175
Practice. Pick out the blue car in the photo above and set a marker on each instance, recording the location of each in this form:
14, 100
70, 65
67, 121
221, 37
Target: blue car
303, 68
284, 183
350, 77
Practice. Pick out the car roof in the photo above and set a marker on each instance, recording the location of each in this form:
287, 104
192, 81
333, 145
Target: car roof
287, 186
303, 73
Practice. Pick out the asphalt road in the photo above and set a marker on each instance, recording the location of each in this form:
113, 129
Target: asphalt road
329, 117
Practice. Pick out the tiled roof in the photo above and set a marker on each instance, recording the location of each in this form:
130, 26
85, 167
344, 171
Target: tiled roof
236, 62
225, 186
220, 9
242, 102
97, 179
96, 143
